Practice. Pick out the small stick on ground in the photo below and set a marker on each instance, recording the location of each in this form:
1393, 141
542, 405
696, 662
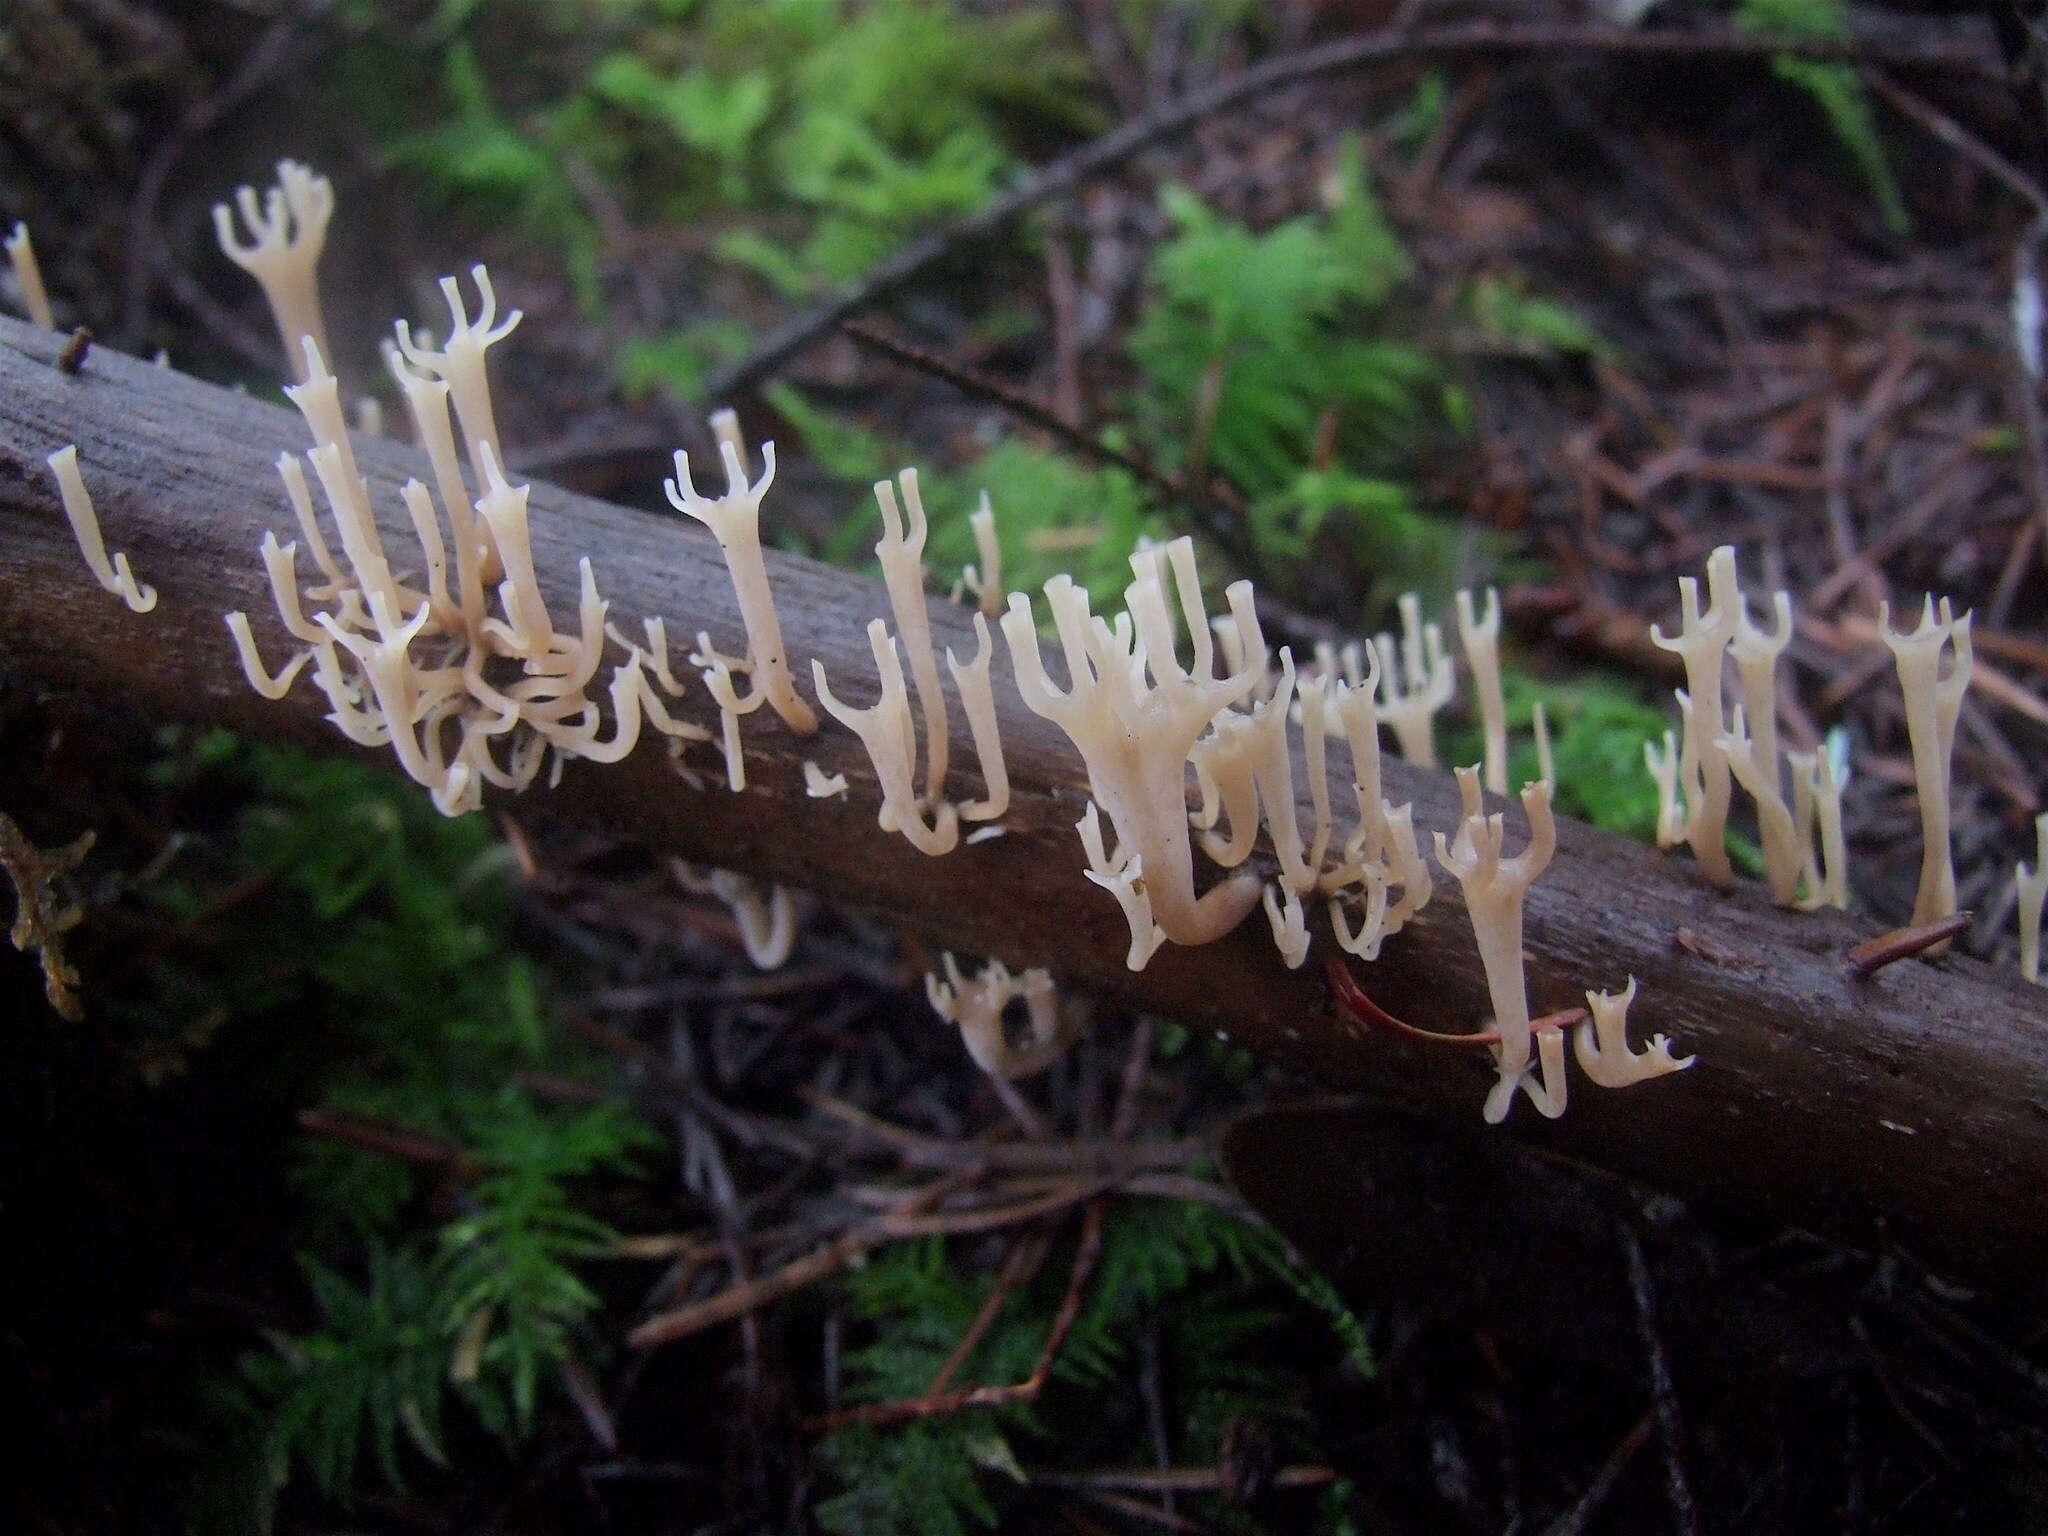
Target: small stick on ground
1873, 955
72, 358
741, 1300
1024, 1257
391, 1140
936, 1404
1663, 1395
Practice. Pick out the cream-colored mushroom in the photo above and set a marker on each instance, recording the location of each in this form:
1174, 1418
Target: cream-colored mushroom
1539, 724
1751, 747
1663, 768
765, 913
1785, 851
1134, 736
2030, 888
818, 785
1381, 852
1123, 876
978, 701
1701, 643
28, 275
115, 577
977, 1004
901, 553
1933, 701
1817, 813
1289, 920
1601, 1044
460, 364
735, 521
1415, 682
411, 669
287, 232
885, 730
1549, 1095
1480, 639
1495, 888
985, 579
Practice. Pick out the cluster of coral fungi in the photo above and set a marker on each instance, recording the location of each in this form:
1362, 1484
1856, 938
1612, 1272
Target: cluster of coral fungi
454, 661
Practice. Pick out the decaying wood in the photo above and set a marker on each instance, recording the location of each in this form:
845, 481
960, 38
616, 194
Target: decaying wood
1909, 1107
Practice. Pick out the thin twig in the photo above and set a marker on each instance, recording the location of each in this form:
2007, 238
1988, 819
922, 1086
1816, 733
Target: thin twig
1019, 404
1958, 138
1873, 955
1573, 1520
1663, 1395
1178, 1479
740, 1300
920, 1151
1025, 1391
72, 358
391, 1140
1360, 51
1023, 1259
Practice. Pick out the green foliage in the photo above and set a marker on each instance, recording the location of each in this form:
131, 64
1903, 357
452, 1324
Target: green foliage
1835, 88
1252, 337
1598, 725
476, 158
1215, 1288
1505, 311
921, 1480
807, 138
385, 935
1253, 346
374, 1368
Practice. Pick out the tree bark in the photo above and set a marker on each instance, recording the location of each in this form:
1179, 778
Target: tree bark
1909, 1108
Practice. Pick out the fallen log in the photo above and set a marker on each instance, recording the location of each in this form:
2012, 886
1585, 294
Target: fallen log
1907, 1107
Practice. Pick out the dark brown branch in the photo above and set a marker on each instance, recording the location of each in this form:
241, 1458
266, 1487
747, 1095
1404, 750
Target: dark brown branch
1910, 1107
1344, 56
1873, 955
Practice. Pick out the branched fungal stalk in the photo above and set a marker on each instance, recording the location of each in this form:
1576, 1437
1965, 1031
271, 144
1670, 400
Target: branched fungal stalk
978, 702
1601, 1044
1703, 776
1135, 735
1381, 852
287, 231
486, 699
977, 1005
1933, 700
1750, 746
735, 521
116, 577
1817, 813
1415, 682
984, 580
1123, 876
1480, 639
885, 729
2030, 887
28, 274
901, 553
764, 912
1495, 888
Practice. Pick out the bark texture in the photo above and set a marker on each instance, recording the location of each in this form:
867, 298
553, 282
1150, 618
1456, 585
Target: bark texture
1911, 1107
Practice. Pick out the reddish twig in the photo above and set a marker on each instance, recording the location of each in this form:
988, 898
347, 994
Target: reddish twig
936, 1404
1023, 1259
740, 1300
1352, 998
1873, 955
391, 1140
